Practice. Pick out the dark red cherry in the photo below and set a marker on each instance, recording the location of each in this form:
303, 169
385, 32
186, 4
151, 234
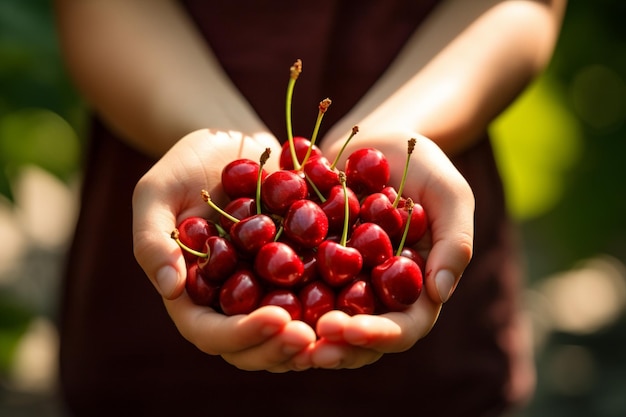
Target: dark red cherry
221, 260
286, 299
240, 293
281, 189
278, 264
417, 227
356, 298
415, 256
240, 208
377, 208
251, 233
338, 264
318, 170
372, 242
306, 224
334, 207
239, 178
193, 232
367, 171
317, 299
201, 291
397, 282
301, 146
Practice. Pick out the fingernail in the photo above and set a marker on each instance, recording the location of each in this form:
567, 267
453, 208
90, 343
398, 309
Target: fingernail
444, 281
166, 279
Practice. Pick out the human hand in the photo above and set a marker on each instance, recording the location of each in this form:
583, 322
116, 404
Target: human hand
434, 182
169, 192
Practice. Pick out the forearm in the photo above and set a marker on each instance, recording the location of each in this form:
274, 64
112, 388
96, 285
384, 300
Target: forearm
456, 74
145, 69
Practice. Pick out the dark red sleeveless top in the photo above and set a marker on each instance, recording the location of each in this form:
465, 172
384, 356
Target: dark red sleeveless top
120, 352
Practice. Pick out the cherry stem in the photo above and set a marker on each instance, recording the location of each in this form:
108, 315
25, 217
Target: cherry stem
317, 191
176, 236
324, 105
355, 130
346, 209
294, 72
411, 147
409, 207
207, 198
264, 157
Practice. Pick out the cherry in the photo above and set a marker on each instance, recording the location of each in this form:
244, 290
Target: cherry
239, 178
418, 224
193, 232
334, 207
221, 260
278, 264
286, 299
338, 264
414, 255
367, 171
317, 299
251, 233
306, 223
281, 189
377, 208
397, 282
372, 242
302, 146
318, 171
201, 291
239, 208
356, 298
309, 260
240, 293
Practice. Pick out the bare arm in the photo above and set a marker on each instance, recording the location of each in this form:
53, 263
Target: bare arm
150, 74
459, 71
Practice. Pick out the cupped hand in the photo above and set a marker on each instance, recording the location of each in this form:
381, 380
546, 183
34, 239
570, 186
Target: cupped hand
434, 182
169, 192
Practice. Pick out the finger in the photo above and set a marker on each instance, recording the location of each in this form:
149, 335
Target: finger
276, 352
218, 334
332, 355
449, 203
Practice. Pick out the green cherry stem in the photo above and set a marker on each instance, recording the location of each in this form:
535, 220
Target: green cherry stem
176, 236
355, 130
346, 209
323, 107
264, 157
409, 207
411, 147
294, 73
207, 198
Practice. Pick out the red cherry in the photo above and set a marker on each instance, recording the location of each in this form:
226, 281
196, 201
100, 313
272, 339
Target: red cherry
281, 189
338, 264
417, 226
356, 298
372, 242
250, 234
334, 207
201, 291
306, 223
221, 260
317, 299
286, 299
377, 208
367, 171
414, 256
278, 264
193, 232
397, 282
240, 293
302, 146
239, 178
318, 170
239, 208
309, 260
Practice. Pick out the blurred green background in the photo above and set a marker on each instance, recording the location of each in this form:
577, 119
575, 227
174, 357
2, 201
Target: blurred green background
561, 148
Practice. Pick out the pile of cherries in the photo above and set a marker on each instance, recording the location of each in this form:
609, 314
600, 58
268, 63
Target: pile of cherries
308, 237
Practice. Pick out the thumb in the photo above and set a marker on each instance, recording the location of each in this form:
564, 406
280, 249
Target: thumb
156, 252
